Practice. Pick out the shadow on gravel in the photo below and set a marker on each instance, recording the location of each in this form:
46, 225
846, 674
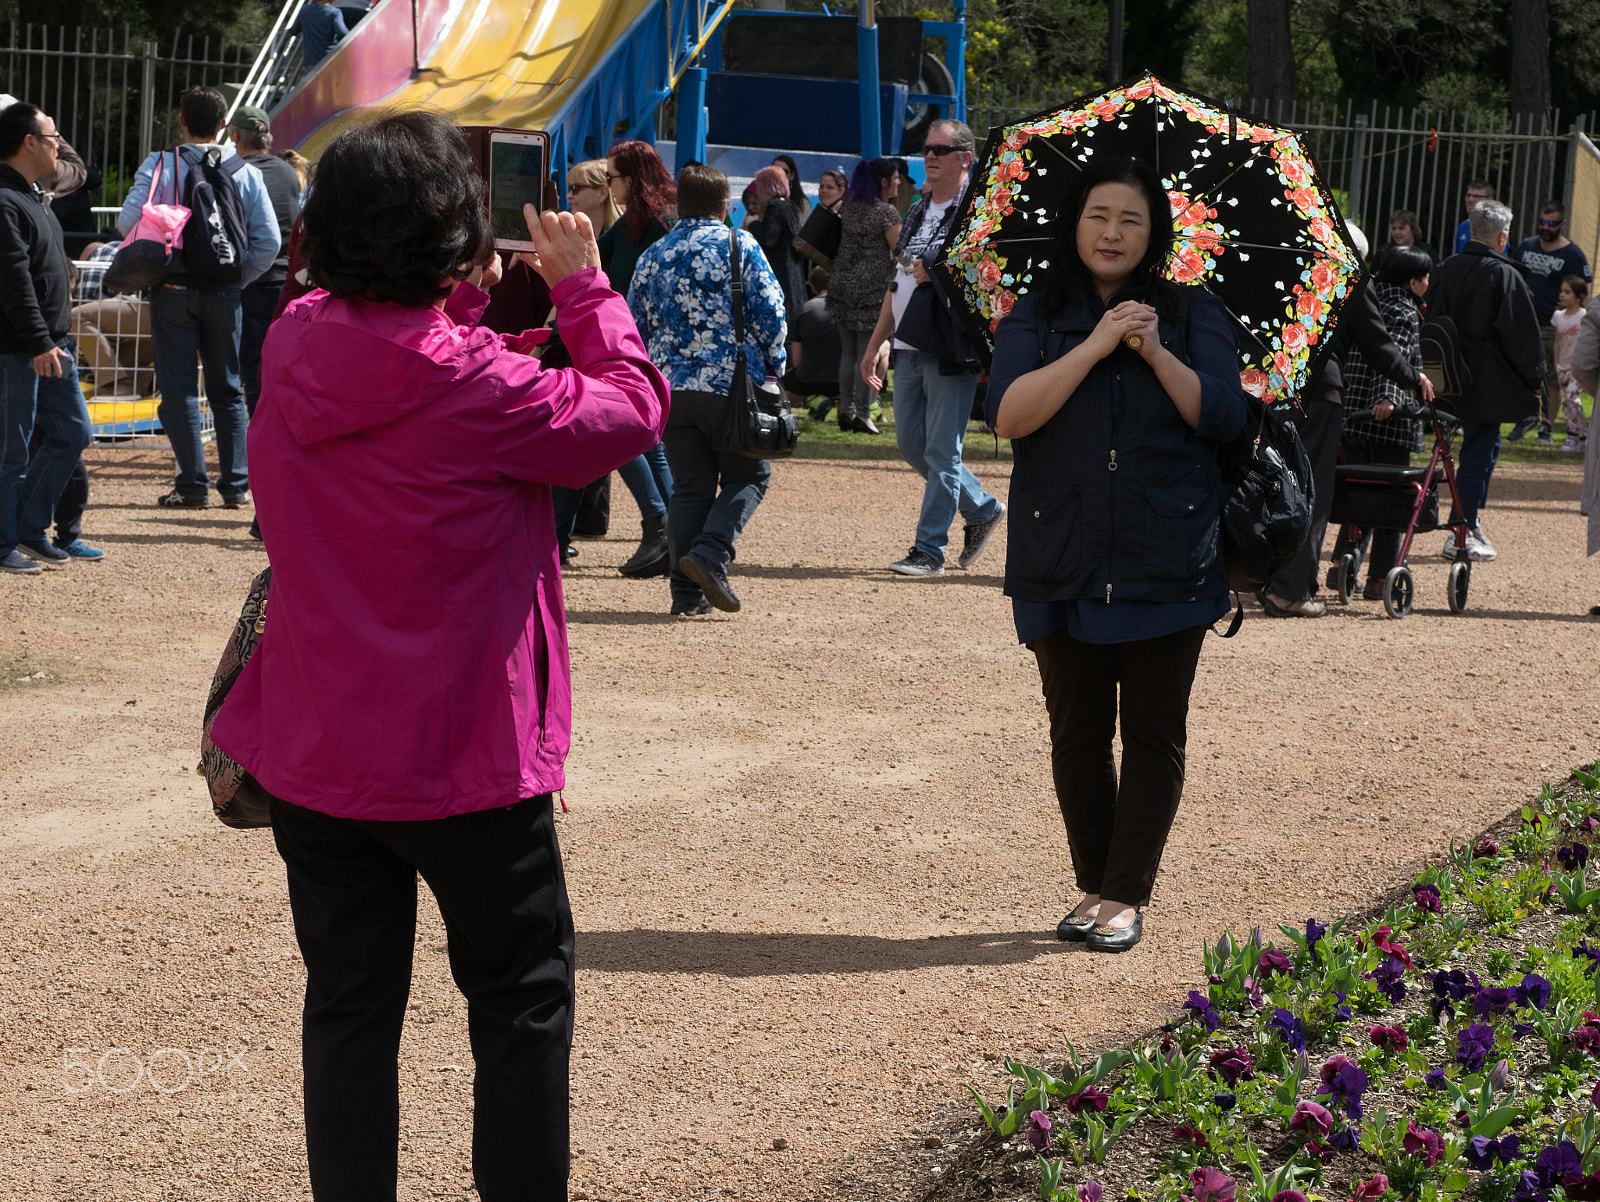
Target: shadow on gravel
1504, 615
634, 617
954, 576
738, 954
238, 542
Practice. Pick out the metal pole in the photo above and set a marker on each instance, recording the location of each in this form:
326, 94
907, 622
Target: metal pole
1573, 150
867, 75
1358, 169
1117, 12
147, 102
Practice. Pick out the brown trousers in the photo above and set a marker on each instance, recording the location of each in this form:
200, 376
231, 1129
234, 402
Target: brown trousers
1118, 830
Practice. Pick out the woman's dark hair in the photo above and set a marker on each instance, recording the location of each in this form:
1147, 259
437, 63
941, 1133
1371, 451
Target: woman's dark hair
1579, 286
1399, 265
651, 191
1069, 277
797, 192
866, 182
702, 191
399, 210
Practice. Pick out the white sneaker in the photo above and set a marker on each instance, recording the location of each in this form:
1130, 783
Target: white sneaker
1448, 551
1572, 446
1479, 549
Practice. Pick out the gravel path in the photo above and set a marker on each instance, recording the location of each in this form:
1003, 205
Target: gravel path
813, 853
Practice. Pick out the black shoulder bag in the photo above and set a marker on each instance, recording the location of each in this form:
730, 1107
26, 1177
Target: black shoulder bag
760, 425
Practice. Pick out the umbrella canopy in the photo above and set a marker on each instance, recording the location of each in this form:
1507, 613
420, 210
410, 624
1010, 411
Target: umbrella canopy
1252, 221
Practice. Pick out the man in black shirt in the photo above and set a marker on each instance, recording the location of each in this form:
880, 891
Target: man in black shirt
1549, 257
35, 317
252, 136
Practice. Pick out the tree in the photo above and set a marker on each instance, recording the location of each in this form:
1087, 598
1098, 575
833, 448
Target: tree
1271, 70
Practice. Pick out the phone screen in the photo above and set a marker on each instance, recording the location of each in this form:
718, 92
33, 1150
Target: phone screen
516, 177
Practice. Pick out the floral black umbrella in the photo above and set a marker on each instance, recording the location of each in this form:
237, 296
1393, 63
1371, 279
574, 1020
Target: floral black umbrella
1253, 222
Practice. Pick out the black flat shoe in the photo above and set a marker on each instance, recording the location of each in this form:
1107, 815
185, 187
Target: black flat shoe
1114, 939
1073, 929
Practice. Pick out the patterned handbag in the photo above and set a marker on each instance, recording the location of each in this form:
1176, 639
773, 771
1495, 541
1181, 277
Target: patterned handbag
236, 796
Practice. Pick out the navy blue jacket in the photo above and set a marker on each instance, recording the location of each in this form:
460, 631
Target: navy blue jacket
1115, 497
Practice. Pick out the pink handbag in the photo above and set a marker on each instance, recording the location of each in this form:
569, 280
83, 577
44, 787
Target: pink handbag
146, 254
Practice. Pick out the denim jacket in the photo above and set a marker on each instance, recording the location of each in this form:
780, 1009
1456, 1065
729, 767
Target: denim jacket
1115, 497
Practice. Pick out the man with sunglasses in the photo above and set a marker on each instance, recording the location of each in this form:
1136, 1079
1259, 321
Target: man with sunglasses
1549, 257
35, 318
935, 367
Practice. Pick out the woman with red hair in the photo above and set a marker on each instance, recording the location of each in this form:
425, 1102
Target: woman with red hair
648, 198
776, 224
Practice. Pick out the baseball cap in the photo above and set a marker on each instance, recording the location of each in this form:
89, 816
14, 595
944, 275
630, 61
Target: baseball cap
248, 116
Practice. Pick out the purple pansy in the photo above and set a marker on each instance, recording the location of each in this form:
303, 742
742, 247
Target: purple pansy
1436, 1079
1210, 1185
1493, 1000
1427, 898
1039, 1125
1484, 848
1274, 961
1341, 1012
1090, 1191
1522, 1030
1475, 1044
1288, 1027
1090, 1098
1482, 1152
1346, 1139
1390, 976
1572, 856
1424, 1140
1311, 1118
1204, 1012
1224, 1101
1593, 953
1389, 1038
1528, 1188
1534, 991
1344, 1087
1233, 1065
1314, 933
1288, 1195
1374, 1187
1253, 994
1556, 1162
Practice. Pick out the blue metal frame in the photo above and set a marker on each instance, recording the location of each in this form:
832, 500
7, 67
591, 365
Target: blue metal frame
633, 80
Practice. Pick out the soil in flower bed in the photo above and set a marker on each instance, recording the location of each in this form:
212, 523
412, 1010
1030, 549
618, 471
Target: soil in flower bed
1461, 1049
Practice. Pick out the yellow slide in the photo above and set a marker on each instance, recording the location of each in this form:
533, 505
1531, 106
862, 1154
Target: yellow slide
486, 62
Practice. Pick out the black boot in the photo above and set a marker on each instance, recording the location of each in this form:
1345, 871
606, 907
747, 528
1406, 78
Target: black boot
651, 557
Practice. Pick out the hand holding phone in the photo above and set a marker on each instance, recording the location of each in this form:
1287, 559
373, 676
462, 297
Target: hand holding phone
562, 244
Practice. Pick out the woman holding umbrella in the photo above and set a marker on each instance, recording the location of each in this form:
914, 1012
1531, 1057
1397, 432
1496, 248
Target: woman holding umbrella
1116, 387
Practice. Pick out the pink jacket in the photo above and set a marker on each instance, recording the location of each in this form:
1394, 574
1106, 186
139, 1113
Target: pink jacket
414, 663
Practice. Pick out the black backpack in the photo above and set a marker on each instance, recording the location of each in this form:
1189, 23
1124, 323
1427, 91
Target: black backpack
1266, 498
1442, 360
217, 234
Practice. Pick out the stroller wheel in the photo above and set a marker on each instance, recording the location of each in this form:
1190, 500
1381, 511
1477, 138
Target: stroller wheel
1347, 578
1460, 580
1399, 591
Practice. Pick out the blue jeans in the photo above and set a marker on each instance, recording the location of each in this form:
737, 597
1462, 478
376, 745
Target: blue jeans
191, 325
62, 415
1480, 450
19, 392
649, 479
931, 413
699, 517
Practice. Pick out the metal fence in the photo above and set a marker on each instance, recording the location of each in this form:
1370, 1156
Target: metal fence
113, 97
1389, 158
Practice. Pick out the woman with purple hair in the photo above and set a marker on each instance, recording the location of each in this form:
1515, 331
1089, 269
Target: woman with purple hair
862, 272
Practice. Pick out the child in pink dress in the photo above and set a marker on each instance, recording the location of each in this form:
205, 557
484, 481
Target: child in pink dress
1566, 320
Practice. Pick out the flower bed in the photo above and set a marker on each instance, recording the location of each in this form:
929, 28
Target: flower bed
1447, 1046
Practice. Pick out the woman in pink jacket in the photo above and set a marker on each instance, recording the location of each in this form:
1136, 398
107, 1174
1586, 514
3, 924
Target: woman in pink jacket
410, 701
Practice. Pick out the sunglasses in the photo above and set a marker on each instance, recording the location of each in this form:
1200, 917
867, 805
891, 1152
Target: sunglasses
939, 151
1550, 225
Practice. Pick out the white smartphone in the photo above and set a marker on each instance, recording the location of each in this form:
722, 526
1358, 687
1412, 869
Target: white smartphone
518, 164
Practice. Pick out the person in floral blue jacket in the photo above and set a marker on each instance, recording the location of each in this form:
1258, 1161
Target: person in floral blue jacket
680, 297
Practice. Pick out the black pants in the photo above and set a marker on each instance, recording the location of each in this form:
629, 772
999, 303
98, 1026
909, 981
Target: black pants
1118, 830
353, 891
256, 305
1320, 427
